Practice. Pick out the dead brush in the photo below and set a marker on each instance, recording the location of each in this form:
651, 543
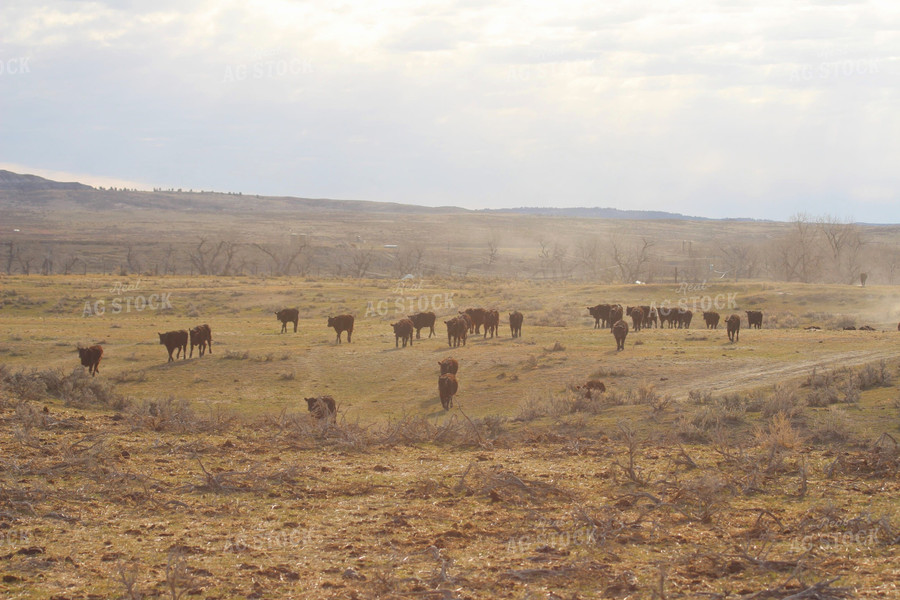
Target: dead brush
784, 400
505, 486
631, 470
700, 499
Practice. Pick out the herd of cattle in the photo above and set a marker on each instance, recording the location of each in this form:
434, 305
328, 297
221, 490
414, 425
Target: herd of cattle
459, 327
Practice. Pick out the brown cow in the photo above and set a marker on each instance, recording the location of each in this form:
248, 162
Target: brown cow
600, 314
620, 332
342, 323
449, 365
173, 340
867, 328
403, 329
515, 323
637, 316
616, 314
90, 358
457, 330
321, 407
447, 388
711, 319
754, 319
477, 316
288, 315
733, 327
492, 322
201, 336
422, 320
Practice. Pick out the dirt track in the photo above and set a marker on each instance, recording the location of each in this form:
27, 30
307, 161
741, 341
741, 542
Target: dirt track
769, 374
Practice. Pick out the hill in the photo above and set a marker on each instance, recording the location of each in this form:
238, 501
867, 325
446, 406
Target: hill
15, 182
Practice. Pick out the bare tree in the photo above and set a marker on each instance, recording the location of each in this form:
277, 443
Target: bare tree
360, 260
132, 260
797, 252
589, 257
169, 260
630, 257
204, 255
69, 263
492, 252
283, 257
844, 241
736, 258
12, 254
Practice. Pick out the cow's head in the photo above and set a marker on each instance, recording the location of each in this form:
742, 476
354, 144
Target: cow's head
162, 338
331, 321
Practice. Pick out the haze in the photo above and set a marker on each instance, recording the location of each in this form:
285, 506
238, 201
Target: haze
716, 109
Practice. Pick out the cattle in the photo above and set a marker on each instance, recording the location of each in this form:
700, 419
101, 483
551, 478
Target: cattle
403, 330
288, 315
421, 320
449, 365
898, 326
711, 319
491, 322
649, 316
620, 332
867, 328
683, 318
447, 388
754, 319
477, 316
616, 314
90, 358
457, 329
342, 323
733, 327
668, 315
321, 407
637, 316
201, 336
515, 324
600, 314
175, 340
850, 328
470, 323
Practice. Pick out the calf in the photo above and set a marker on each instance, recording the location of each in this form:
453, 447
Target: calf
201, 336
620, 332
616, 314
422, 320
733, 327
477, 316
288, 315
515, 323
637, 316
457, 330
600, 314
321, 407
491, 322
449, 365
403, 329
175, 340
90, 358
588, 388
754, 319
711, 319
447, 388
342, 323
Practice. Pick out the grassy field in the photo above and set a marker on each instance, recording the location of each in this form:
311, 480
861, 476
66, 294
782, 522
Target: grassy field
754, 469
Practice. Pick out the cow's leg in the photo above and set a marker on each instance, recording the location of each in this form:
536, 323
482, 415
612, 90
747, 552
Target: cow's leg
349, 333
295, 325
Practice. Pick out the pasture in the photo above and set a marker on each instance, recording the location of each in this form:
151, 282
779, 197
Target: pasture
729, 470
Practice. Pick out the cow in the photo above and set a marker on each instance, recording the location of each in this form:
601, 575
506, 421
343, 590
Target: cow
449, 365
447, 388
491, 323
712, 319
288, 315
477, 315
457, 329
403, 330
668, 315
90, 358
321, 407
469, 321
201, 336
421, 320
600, 314
637, 316
649, 317
175, 340
683, 318
849, 328
342, 323
616, 314
733, 326
515, 323
620, 332
867, 328
754, 319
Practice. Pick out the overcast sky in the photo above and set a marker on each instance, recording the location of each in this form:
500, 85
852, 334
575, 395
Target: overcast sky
721, 109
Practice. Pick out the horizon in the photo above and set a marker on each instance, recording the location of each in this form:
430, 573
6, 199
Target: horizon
725, 110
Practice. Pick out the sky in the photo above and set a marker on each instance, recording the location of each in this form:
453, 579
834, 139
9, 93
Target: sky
726, 108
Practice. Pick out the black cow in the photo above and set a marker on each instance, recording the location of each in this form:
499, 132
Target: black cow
90, 358
403, 330
421, 320
754, 319
711, 319
175, 340
321, 407
733, 326
342, 323
515, 323
288, 315
620, 332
